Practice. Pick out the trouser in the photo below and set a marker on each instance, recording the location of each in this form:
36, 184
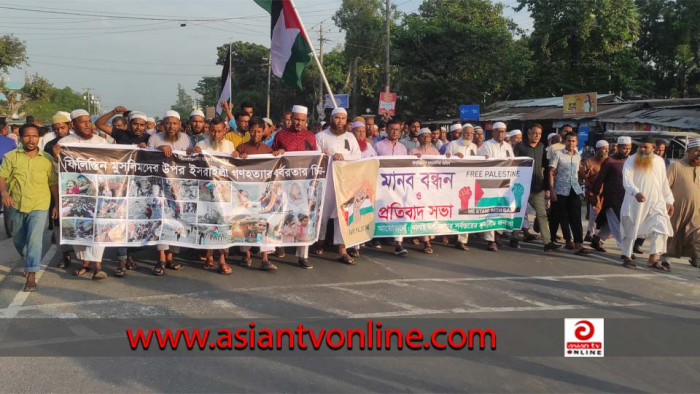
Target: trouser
592, 215
612, 227
163, 247
657, 241
266, 249
122, 253
337, 235
463, 238
303, 252
28, 235
537, 202
567, 210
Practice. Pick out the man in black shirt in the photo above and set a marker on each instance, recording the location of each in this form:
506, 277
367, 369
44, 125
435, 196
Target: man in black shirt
536, 150
135, 133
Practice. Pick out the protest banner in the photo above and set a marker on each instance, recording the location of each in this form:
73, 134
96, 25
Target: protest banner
125, 196
433, 195
355, 195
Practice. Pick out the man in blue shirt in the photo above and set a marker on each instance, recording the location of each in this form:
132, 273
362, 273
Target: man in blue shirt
6, 144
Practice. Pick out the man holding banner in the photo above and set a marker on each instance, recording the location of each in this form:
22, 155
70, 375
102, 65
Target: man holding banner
337, 143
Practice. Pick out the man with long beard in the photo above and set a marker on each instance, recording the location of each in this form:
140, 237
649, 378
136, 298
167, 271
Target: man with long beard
591, 168
169, 140
684, 180
648, 204
339, 145
608, 187
83, 134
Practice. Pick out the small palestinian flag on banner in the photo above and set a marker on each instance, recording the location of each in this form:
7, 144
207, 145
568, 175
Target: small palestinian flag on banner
491, 196
289, 46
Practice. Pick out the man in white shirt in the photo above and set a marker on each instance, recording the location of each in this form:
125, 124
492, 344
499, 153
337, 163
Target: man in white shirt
337, 143
496, 148
461, 148
82, 134
169, 140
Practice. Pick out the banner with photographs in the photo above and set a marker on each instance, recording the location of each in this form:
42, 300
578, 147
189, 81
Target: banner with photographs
435, 195
124, 196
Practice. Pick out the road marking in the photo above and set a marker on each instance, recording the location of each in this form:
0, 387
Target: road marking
21, 296
17, 307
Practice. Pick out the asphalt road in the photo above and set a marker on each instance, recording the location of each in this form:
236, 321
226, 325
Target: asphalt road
521, 284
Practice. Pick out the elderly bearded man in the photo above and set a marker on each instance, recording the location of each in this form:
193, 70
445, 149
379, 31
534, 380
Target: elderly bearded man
461, 148
648, 204
168, 141
83, 134
339, 145
684, 180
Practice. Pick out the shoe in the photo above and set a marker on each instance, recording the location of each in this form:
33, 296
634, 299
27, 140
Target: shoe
400, 251
514, 243
376, 244
637, 249
570, 245
304, 263
268, 266
588, 237
492, 247
551, 246
627, 263
461, 246
529, 237
597, 244
694, 263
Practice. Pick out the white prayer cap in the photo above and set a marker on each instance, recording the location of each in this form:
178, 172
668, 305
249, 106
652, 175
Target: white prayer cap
443, 129
549, 137
151, 120
78, 113
138, 115
601, 144
515, 132
269, 121
172, 113
693, 143
300, 109
357, 124
624, 140
60, 117
424, 130
197, 112
456, 126
339, 110
323, 123
475, 127
499, 125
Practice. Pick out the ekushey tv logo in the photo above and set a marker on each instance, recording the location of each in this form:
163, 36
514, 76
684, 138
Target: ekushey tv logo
584, 337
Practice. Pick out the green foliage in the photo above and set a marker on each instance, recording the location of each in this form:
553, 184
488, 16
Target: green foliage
12, 52
58, 100
457, 52
184, 104
209, 88
584, 45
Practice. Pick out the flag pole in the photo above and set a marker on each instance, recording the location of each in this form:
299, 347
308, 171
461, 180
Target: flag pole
230, 86
269, 80
313, 51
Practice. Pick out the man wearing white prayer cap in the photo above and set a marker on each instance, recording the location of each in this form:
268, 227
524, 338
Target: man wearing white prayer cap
591, 168
101, 122
61, 120
197, 124
169, 140
268, 132
497, 148
478, 136
456, 131
609, 189
461, 148
516, 137
339, 145
82, 134
296, 138
150, 126
684, 180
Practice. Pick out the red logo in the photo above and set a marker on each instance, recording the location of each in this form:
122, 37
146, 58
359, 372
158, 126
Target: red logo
584, 330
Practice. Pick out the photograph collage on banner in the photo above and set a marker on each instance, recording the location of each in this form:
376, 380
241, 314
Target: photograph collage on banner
279, 209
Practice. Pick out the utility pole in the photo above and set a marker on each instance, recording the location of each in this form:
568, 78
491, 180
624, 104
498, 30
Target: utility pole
88, 99
322, 98
388, 44
354, 87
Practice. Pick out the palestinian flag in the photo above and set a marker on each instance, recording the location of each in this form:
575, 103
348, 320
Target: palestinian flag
289, 48
491, 196
491, 192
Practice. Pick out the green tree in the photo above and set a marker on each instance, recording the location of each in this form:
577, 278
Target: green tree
668, 46
35, 88
584, 45
12, 52
209, 88
457, 52
184, 103
59, 100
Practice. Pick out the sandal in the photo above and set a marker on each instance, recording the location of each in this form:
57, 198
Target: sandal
171, 265
65, 262
279, 252
428, 249
667, 265
268, 266
224, 269
352, 252
317, 251
658, 266
130, 264
159, 269
345, 259
30, 287
627, 263
208, 264
83, 270
120, 270
581, 252
246, 261
99, 274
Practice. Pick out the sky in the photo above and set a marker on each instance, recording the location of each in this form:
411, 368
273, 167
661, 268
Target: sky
138, 63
